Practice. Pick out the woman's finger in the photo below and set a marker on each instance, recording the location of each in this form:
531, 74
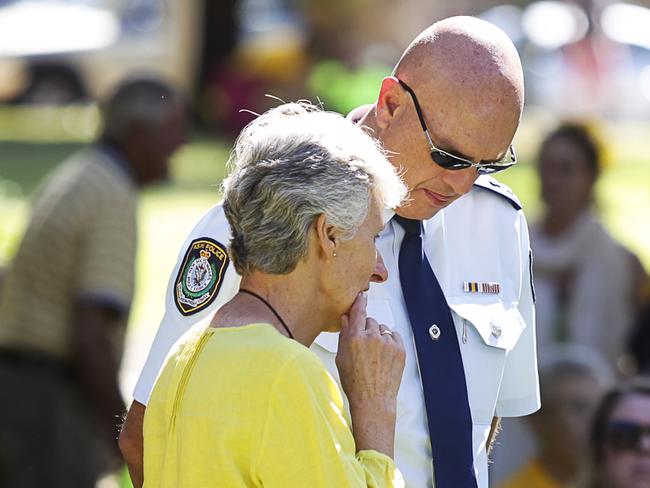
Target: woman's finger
357, 313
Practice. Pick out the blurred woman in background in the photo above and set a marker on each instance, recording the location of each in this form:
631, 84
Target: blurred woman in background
587, 283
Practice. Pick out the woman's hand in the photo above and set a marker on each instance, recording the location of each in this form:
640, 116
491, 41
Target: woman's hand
370, 361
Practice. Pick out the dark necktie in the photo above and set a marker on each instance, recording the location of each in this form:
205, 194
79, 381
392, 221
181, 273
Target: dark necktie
441, 365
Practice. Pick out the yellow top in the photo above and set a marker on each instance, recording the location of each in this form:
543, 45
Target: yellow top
532, 475
244, 407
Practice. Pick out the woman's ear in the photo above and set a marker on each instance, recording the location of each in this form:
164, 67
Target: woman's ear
326, 237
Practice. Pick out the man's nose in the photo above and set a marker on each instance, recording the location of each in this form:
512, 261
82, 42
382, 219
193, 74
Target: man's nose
380, 274
461, 180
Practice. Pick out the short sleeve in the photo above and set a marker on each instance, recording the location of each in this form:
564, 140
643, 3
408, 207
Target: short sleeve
519, 393
307, 440
212, 226
106, 266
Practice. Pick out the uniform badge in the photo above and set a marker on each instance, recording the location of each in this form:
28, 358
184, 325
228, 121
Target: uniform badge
200, 275
479, 287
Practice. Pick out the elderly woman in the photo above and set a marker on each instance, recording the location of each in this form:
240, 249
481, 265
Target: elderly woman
244, 402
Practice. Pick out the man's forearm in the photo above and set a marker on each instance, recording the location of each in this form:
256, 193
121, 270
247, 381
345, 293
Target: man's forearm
98, 367
131, 443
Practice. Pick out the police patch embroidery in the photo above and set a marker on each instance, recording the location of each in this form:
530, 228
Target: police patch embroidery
200, 275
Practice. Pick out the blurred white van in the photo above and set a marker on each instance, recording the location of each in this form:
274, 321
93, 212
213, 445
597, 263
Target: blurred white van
61, 51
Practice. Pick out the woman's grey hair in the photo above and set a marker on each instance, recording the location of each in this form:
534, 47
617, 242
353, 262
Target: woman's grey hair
290, 165
141, 100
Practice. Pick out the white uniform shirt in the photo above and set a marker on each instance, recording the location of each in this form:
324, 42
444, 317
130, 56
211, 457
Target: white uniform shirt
481, 238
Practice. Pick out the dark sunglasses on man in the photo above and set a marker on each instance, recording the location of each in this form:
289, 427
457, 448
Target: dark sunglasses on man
450, 161
628, 436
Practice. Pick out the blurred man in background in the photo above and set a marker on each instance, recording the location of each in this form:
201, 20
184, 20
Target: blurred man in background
67, 294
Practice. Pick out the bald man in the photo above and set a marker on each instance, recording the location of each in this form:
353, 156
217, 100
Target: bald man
459, 288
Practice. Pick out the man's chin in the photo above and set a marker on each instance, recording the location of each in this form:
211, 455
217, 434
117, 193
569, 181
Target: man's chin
420, 212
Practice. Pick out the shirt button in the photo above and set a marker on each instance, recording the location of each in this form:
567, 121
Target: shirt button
496, 330
434, 332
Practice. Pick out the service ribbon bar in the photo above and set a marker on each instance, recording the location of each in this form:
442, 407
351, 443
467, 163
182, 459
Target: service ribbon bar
477, 287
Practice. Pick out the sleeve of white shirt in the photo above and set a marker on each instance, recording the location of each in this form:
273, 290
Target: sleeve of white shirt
519, 393
174, 324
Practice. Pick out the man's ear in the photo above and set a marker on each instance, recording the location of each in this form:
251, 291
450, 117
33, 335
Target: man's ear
326, 237
389, 101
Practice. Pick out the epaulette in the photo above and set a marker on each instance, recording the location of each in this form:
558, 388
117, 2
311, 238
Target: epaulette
489, 183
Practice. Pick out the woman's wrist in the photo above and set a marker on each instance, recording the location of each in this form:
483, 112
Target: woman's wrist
373, 428
378, 408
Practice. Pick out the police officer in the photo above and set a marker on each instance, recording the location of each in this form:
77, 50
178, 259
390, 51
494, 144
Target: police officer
459, 288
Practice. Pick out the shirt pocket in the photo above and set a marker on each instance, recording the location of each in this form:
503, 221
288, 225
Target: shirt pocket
498, 323
489, 330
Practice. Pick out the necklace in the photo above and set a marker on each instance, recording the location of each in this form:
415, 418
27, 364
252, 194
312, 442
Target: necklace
244, 290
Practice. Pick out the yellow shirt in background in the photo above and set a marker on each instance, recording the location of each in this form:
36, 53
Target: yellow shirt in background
247, 407
532, 475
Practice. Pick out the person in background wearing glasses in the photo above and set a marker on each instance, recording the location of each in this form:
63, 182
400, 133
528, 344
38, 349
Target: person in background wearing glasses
460, 290
620, 437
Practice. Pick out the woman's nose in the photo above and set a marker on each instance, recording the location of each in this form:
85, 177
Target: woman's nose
380, 274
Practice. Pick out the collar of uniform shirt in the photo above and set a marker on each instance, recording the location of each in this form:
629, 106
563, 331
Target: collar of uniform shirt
389, 213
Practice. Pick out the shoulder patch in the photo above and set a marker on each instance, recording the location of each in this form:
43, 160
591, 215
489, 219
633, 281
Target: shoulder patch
200, 275
489, 183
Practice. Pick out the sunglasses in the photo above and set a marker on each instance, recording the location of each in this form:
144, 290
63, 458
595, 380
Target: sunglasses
626, 436
450, 161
